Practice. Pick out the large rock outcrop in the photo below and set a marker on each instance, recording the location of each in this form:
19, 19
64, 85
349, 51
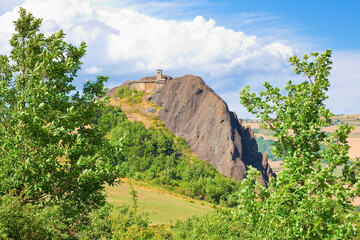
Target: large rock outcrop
192, 110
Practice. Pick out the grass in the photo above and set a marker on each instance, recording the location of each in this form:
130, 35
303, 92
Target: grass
163, 208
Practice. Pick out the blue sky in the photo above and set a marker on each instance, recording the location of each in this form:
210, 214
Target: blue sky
229, 44
334, 24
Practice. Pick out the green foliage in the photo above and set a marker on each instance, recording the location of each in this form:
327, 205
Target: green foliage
221, 224
151, 155
130, 94
306, 200
120, 222
51, 155
29, 221
108, 117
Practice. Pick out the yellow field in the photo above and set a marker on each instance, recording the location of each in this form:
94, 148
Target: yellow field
163, 208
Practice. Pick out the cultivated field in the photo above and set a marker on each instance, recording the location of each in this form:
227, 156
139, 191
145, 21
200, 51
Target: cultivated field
353, 140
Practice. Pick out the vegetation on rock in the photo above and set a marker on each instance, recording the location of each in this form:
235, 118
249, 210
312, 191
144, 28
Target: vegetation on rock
156, 156
131, 94
192, 110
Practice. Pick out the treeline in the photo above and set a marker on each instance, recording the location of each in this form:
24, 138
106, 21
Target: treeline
158, 157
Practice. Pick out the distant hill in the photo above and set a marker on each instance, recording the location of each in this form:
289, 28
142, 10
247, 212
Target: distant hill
191, 109
350, 119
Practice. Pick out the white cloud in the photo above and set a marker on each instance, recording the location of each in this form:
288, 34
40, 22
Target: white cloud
150, 43
125, 43
49, 26
144, 43
6, 30
93, 70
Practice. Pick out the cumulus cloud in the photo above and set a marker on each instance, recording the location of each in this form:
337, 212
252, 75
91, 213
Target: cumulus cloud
199, 44
6, 30
93, 70
127, 44
144, 43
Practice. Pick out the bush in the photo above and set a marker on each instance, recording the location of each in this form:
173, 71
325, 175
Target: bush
108, 117
221, 224
29, 221
130, 94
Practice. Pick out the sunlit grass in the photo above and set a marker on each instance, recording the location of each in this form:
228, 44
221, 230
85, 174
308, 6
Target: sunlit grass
163, 208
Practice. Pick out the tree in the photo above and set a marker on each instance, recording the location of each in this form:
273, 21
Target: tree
50, 152
307, 200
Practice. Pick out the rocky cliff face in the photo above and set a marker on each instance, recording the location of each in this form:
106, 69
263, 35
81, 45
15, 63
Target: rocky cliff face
192, 110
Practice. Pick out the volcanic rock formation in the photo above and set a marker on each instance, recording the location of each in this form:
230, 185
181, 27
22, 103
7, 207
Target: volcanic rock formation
192, 110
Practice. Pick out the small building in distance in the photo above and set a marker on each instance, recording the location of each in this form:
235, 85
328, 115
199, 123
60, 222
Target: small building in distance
159, 77
150, 84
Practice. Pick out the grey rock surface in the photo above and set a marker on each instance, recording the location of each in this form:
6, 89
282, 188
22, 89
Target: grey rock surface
151, 110
192, 110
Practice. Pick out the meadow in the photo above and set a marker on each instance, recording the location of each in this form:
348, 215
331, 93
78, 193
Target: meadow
162, 207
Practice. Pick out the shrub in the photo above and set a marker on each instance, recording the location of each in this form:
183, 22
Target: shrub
130, 94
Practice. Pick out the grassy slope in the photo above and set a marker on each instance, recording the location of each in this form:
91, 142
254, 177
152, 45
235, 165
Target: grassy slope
163, 208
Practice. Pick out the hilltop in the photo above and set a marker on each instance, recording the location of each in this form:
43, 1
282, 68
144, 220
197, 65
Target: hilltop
192, 110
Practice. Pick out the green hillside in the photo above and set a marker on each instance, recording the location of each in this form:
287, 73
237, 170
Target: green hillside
156, 156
